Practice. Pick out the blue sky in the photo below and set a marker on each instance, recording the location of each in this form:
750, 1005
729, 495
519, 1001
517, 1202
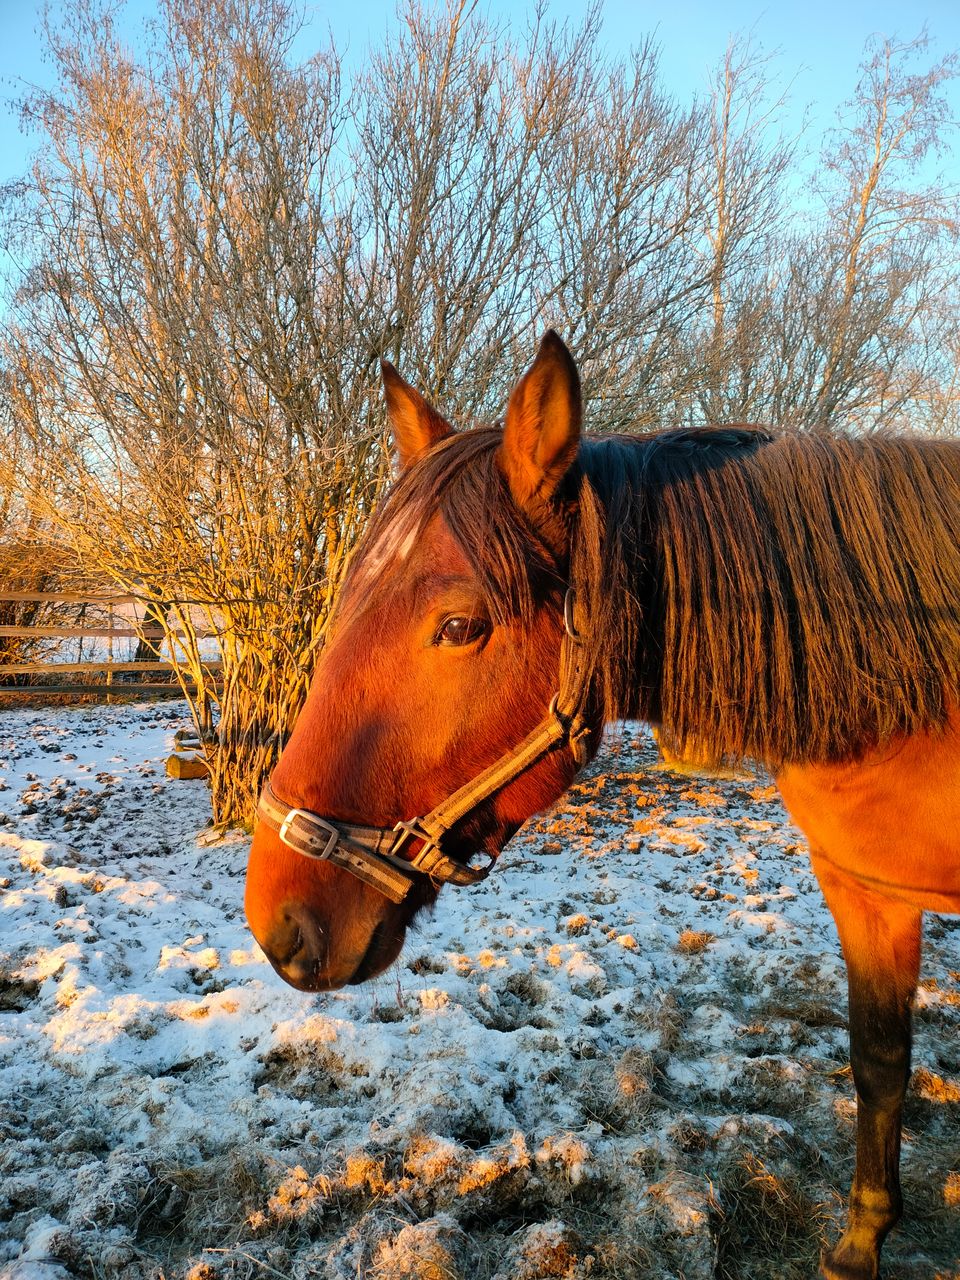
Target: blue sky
818, 43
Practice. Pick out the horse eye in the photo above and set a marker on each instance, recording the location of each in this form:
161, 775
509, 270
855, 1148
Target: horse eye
462, 630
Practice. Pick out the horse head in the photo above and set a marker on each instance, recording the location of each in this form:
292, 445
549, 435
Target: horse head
444, 655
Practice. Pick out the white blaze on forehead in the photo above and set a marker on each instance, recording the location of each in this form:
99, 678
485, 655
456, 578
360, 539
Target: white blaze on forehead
394, 544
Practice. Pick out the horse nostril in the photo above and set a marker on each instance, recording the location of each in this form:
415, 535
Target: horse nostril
296, 941
284, 946
298, 947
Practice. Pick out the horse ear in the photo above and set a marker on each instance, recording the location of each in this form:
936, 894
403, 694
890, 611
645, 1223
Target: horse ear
542, 428
416, 425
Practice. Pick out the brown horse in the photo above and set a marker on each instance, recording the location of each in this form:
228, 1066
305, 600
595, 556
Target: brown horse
786, 598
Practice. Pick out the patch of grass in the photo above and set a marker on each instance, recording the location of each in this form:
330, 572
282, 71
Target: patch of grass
811, 1011
618, 1093
661, 1012
693, 941
437, 1249
303, 1071
933, 1087
426, 964
930, 1175
193, 1203
772, 1086
767, 1227
17, 994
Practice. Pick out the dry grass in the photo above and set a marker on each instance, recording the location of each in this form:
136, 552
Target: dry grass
767, 1227
619, 1094
693, 941
201, 1202
660, 1013
541, 1252
437, 1249
933, 1087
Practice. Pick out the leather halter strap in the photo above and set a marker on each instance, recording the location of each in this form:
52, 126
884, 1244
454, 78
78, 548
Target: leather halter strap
377, 855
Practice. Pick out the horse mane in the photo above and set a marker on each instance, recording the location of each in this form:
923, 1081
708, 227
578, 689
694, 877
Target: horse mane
783, 597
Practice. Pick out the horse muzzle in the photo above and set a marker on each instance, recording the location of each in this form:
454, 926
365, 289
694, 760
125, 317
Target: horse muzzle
319, 928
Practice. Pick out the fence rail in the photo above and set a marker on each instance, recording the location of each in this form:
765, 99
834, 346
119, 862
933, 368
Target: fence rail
66, 597
75, 668
110, 687
108, 691
103, 633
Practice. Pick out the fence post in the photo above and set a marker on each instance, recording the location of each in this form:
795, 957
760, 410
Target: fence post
110, 654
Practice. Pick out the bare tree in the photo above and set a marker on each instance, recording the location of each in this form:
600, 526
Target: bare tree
856, 308
513, 183
885, 235
747, 164
842, 309
224, 243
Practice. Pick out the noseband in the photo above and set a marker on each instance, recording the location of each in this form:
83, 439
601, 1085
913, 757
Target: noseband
381, 857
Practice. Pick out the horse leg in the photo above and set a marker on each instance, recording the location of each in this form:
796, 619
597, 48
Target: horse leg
880, 937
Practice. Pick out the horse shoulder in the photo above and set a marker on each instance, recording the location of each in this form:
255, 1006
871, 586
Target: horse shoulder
889, 820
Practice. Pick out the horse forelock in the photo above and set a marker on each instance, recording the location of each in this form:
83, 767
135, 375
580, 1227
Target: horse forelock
459, 481
389, 549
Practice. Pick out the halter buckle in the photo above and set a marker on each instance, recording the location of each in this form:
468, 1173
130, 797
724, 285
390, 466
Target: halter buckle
313, 822
431, 861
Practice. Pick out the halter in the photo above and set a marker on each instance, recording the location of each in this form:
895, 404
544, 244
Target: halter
379, 855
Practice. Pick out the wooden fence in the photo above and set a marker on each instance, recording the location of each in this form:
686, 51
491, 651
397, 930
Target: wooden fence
70, 675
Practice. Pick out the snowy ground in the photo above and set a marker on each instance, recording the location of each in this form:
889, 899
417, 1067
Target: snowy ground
624, 1055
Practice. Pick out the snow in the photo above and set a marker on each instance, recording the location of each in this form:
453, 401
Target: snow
557, 1078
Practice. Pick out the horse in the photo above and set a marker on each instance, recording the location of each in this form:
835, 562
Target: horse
784, 597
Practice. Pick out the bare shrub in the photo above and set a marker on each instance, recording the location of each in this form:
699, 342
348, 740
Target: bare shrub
223, 244
30, 570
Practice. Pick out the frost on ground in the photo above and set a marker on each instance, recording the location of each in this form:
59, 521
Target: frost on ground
623, 1056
